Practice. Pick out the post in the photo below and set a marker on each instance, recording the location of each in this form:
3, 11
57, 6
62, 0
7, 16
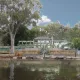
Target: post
52, 41
75, 52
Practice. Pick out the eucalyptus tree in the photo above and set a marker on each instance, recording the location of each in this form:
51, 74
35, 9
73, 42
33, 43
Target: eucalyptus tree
39, 31
55, 30
76, 43
67, 31
75, 33
22, 34
14, 13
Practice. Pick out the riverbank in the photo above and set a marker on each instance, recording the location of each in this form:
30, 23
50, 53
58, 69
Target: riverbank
36, 57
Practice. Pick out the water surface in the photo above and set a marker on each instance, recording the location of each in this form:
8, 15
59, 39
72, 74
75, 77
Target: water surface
40, 70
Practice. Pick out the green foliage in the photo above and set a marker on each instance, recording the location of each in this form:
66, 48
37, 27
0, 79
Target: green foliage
37, 31
23, 34
55, 29
15, 13
18, 13
76, 43
75, 32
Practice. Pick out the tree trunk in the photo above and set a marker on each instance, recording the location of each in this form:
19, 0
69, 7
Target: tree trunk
12, 44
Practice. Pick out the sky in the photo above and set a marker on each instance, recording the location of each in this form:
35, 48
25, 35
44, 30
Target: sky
65, 11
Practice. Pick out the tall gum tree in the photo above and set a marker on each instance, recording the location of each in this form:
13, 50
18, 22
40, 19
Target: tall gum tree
14, 13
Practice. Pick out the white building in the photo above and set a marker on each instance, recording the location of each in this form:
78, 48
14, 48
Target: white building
42, 42
49, 43
45, 42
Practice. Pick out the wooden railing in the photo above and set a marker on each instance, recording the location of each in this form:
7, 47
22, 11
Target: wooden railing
59, 52
27, 51
20, 50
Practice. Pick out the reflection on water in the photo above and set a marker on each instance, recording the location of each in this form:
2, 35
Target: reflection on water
11, 71
66, 72
63, 71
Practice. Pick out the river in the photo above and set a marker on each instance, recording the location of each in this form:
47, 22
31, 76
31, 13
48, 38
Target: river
40, 70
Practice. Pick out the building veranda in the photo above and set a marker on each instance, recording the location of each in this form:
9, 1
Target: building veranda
45, 42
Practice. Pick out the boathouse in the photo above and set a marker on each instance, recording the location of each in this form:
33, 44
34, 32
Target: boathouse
49, 43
